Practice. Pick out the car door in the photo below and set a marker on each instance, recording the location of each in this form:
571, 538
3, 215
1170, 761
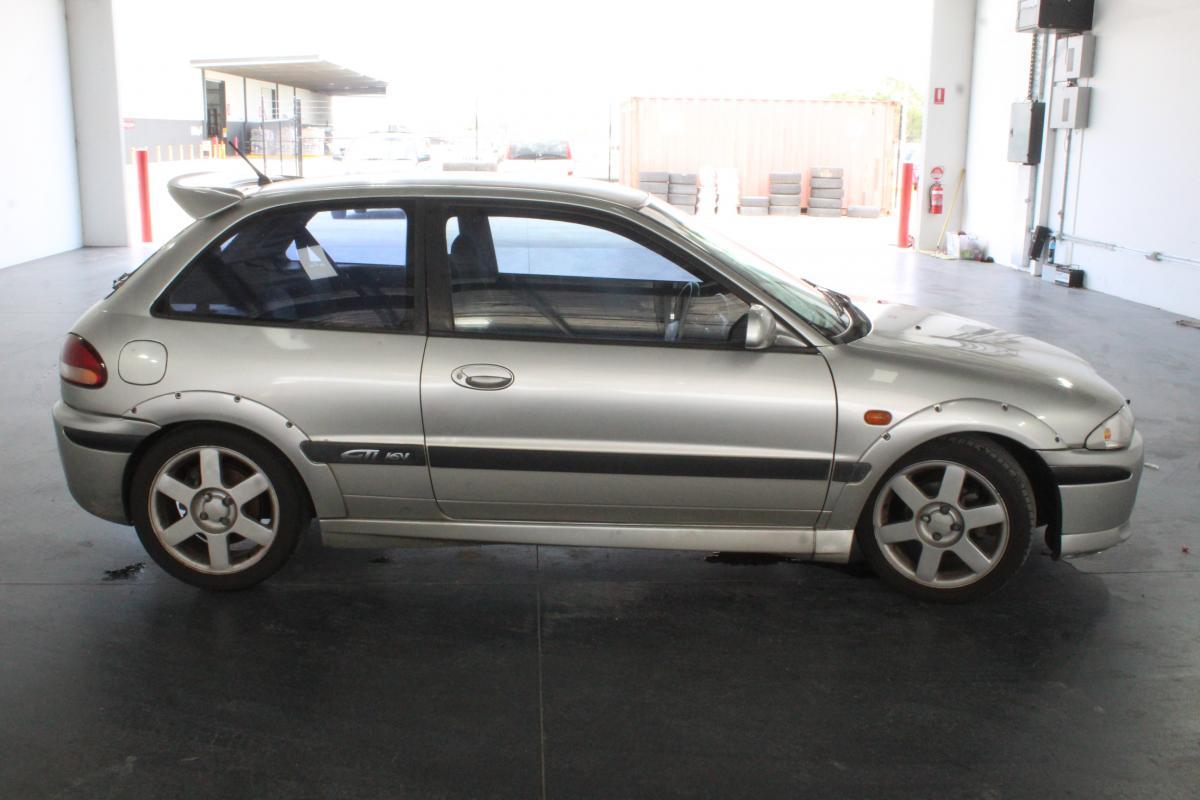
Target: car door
581, 369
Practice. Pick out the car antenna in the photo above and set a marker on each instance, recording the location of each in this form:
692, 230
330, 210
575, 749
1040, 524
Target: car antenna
263, 180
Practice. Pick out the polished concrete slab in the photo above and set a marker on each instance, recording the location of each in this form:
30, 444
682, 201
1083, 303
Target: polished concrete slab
527, 672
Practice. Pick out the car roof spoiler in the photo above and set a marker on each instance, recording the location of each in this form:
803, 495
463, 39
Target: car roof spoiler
203, 194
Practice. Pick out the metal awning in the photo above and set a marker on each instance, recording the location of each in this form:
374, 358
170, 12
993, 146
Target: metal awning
306, 72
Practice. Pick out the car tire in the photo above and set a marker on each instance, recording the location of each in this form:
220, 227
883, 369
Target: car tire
755, 201
338, 213
825, 172
785, 199
825, 183
827, 194
823, 202
784, 211
920, 551
814, 211
753, 211
261, 524
785, 177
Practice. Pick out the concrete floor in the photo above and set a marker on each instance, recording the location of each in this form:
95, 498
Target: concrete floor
555, 672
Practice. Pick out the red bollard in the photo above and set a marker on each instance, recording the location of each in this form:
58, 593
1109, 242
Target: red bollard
906, 179
143, 180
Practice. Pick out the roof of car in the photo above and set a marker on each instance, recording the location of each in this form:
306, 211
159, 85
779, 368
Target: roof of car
204, 194
596, 189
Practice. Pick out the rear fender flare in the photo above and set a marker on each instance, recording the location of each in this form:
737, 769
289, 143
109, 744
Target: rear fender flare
199, 406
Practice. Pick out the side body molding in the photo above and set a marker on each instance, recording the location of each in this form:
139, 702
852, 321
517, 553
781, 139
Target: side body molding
168, 409
952, 416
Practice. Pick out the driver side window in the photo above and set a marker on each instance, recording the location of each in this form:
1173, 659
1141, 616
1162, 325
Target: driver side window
514, 274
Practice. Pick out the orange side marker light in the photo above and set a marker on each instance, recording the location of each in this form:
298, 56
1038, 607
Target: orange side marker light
877, 417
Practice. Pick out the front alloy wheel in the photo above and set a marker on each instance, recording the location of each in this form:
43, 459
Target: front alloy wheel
941, 524
951, 522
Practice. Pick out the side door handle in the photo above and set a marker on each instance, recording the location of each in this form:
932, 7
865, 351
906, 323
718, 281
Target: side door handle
485, 377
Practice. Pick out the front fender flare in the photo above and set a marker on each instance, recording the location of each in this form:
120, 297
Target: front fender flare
261, 420
968, 415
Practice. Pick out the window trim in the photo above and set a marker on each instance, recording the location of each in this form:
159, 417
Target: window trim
415, 248
441, 312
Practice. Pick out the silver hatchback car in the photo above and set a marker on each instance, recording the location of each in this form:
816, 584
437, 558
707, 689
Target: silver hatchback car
484, 359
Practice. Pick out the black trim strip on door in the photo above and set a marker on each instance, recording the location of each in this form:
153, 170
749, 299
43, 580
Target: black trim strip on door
110, 442
396, 455
850, 471
808, 469
1081, 476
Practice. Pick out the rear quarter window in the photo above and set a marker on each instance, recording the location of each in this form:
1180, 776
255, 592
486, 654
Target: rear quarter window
327, 268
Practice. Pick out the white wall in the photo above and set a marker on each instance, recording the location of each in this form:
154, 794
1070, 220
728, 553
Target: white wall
98, 138
945, 134
39, 189
1134, 175
994, 205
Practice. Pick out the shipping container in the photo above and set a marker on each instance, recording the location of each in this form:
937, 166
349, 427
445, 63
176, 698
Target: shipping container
758, 137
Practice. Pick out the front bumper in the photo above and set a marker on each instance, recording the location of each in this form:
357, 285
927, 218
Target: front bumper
1097, 490
95, 451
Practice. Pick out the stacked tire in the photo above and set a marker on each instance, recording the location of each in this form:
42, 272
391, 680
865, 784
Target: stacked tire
656, 183
754, 206
683, 190
826, 195
707, 197
784, 199
728, 202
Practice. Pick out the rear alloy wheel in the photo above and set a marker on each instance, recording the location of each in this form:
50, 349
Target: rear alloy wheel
952, 522
216, 509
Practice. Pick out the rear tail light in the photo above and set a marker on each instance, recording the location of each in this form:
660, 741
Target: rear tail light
80, 364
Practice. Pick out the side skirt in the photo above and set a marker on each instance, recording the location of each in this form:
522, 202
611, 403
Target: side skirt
824, 545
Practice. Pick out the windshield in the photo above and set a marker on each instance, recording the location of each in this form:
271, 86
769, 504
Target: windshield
816, 306
535, 150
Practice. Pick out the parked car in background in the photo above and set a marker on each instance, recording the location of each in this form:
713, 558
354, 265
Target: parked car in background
545, 158
496, 359
385, 153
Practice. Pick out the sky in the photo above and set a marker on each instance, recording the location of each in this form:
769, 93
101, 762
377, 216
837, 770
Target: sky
531, 61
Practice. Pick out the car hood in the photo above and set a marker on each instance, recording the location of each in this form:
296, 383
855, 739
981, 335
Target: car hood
937, 357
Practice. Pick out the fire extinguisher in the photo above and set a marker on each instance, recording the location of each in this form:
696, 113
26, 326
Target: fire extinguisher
936, 194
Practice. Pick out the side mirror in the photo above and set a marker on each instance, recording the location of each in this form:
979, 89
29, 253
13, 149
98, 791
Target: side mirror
760, 328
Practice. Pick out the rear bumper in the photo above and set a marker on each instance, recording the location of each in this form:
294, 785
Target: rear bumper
1097, 490
95, 451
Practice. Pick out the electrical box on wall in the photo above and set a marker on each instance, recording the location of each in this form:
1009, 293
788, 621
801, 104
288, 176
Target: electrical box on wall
1074, 57
1069, 106
1054, 15
1025, 132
